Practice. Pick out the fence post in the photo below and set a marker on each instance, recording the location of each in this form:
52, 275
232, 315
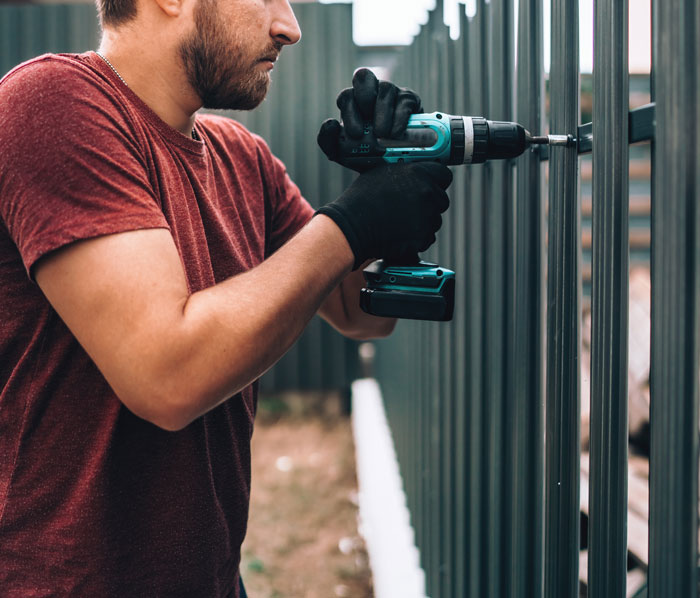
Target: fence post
526, 430
475, 313
675, 255
461, 360
498, 286
563, 311
607, 529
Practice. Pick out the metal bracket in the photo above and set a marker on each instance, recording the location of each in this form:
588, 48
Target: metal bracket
642, 127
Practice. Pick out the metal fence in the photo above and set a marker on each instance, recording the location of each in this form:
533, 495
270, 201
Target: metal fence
310, 75
485, 410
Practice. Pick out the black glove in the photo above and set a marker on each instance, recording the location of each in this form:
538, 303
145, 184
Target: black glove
381, 103
392, 210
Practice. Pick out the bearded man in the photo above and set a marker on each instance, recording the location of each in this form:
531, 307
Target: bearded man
154, 262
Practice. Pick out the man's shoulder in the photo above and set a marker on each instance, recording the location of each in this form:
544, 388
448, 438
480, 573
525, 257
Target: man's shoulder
48, 70
49, 86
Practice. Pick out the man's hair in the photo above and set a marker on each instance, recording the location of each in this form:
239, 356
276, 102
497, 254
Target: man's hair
116, 12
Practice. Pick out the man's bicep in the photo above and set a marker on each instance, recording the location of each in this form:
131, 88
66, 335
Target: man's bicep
119, 295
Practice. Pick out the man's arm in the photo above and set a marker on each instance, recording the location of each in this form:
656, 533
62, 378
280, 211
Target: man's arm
170, 356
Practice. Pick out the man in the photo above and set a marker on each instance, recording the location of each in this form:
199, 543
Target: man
154, 264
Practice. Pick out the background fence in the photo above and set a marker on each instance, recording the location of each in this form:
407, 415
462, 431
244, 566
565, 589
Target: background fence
485, 410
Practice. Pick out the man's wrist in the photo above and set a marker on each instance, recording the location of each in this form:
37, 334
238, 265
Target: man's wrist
335, 236
331, 213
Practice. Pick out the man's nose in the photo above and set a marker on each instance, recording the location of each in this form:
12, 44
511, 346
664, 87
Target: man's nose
284, 27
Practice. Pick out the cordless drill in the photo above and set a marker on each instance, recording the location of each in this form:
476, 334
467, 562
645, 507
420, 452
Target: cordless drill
411, 288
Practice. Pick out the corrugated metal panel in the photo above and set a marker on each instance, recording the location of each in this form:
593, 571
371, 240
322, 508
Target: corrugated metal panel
29, 30
309, 76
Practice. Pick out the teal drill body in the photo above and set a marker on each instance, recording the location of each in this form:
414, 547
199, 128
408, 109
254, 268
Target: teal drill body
438, 137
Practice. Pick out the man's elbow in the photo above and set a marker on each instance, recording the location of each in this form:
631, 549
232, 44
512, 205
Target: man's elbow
169, 405
163, 412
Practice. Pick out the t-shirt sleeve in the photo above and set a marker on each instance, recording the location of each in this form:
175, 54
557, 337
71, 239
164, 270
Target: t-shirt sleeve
289, 211
72, 168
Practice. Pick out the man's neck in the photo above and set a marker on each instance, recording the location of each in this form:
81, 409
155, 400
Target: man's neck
157, 77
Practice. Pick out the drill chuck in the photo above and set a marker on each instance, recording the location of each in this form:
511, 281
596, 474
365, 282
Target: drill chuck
475, 140
495, 140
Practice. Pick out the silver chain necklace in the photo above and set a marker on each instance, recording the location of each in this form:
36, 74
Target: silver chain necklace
195, 135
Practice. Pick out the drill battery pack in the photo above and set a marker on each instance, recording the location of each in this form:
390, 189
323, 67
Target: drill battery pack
422, 291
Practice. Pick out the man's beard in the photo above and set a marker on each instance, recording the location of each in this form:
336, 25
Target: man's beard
216, 64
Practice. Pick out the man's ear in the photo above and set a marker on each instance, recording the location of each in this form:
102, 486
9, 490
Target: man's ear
171, 8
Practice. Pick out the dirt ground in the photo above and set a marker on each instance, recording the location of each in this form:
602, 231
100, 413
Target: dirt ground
302, 537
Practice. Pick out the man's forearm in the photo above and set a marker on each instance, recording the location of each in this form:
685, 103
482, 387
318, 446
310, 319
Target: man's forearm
245, 324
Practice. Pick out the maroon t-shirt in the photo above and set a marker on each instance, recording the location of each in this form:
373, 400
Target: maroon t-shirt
95, 501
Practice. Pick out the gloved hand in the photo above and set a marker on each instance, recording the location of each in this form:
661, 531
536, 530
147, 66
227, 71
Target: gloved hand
381, 103
392, 210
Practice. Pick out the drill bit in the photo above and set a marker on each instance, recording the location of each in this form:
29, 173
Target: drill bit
560, 140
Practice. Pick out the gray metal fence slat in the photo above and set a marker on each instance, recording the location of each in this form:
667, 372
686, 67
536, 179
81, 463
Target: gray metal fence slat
435, 392
461, 362
526, 558
498, 289
449, 249
607, 528
675, 254
563, 315
475, 313
501, 220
